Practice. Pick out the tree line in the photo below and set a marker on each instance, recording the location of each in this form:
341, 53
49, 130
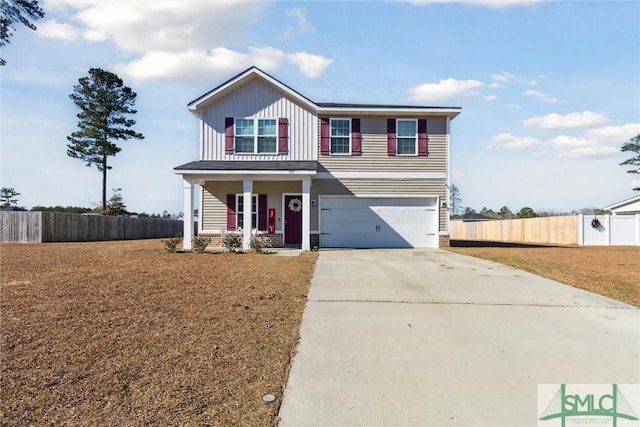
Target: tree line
115, 206
458, 211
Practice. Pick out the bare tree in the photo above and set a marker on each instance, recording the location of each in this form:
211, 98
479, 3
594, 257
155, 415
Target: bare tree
454, 200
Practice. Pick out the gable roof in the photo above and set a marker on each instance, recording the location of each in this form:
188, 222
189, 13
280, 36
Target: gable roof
243, 78
321, 107
474, 217
615, 206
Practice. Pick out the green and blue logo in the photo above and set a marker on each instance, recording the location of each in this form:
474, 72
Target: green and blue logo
584, 404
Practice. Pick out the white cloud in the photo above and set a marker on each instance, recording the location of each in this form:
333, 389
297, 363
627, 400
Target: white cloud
503, 77
219, 62
580, 147
53, 30
616, 134
540, 96
574, 147
302, 26
457, 174
310, 65
584, 119
445, 89
140, 26
193, 63
494, 4
491, 97
183, 40
512, 142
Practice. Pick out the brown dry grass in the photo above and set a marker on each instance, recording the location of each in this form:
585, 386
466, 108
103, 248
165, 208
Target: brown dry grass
124, 333
610, 271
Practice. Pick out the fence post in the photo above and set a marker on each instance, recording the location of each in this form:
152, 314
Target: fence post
580, 230
607, 230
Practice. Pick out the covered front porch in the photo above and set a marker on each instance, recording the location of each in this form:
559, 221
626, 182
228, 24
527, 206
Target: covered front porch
279, 194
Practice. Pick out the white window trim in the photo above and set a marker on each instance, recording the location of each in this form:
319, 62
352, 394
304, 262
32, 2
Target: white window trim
350, 133
238, 224
255, 136
415, 153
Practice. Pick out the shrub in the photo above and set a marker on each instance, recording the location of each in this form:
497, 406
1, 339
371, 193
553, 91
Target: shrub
231, 241
172, 243
200, 243
257, 243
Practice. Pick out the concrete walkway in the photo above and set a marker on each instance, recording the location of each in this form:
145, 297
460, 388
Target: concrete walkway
432, 338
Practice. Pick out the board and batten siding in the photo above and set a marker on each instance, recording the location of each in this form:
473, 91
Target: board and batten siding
214, 200
258, 99
376, 188
374, 155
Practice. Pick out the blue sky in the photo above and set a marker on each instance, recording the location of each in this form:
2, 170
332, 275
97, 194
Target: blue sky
549, 91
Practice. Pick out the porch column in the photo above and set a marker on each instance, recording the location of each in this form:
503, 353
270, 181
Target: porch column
187, 218
306, 214
247, 186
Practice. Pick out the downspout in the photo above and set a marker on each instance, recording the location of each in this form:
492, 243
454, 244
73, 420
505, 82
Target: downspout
448, 192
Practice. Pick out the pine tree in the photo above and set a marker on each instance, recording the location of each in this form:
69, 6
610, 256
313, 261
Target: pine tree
105, 105
634, 147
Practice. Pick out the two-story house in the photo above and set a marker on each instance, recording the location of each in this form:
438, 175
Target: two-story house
310, 174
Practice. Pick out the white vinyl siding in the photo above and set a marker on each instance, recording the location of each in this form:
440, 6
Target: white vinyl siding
259, 100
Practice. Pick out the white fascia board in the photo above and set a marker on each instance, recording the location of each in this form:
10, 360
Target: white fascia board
246, 172
380, 175
449, 112
201, 176
207, 98
623, 203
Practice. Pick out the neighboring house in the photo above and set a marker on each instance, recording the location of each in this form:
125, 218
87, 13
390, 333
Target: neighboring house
626, 207
311, 174
473, 217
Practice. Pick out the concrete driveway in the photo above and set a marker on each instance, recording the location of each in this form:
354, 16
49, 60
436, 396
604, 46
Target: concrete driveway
432, 338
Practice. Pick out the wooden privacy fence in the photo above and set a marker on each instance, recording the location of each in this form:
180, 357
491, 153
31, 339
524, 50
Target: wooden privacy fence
36, 227
554, 230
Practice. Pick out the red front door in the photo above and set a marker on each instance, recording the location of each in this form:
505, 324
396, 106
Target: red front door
293, 220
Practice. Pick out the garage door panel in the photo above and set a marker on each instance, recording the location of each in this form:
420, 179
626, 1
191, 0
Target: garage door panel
378, 223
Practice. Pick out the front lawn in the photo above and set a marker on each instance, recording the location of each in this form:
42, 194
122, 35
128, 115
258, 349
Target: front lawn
610, 271
124, 333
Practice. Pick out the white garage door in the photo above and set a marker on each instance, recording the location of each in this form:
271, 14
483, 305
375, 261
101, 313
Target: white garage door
349, 222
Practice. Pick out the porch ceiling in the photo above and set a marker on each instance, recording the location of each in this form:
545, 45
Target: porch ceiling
217, 170
224, 167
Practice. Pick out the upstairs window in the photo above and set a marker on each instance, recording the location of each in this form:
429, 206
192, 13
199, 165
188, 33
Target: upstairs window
407, 137
340, 136
256, 136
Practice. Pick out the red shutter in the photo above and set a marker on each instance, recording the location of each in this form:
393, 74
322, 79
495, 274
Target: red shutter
283, 135
422, 138
228, 136
356, 138
324, 136
262, 212
231, 212
391, 137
